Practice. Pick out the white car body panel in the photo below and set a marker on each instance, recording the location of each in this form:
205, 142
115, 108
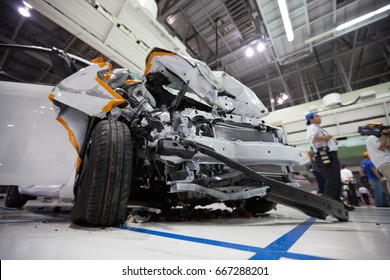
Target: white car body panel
244, 101
84, 91
34, 147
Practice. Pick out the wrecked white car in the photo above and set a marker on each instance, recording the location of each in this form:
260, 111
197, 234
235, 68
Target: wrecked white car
183, 136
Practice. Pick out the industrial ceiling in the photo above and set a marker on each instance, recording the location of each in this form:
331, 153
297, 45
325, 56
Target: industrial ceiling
321, 59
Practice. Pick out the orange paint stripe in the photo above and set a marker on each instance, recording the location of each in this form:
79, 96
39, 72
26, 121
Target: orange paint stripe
73, 141
150, 58
71, 136
118, 99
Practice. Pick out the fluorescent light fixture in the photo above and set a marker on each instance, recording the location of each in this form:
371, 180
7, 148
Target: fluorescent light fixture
286, 20
349, 24
362, 18
249, 52
27, 5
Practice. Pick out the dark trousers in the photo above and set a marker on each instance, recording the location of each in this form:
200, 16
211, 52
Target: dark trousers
352, 197
366, 198
331, 173
320, 181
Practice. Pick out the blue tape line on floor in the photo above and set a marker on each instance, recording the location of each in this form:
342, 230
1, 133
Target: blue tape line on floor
275, 251
285, 242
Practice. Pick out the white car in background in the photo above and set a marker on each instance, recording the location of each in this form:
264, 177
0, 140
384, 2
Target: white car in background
182, 136
36, 157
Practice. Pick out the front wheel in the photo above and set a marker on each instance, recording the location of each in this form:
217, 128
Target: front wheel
105, 179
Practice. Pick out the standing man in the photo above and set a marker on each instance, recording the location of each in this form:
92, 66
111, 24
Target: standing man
379, 151
326, 159
368, 170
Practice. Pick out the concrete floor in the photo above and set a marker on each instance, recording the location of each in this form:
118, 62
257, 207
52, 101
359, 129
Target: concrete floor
42, 231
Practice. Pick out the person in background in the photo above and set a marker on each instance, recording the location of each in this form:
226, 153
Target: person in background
345, 194
371, 174
326, 156
365, 194
316, 172
379, 151
359, 196
347, 179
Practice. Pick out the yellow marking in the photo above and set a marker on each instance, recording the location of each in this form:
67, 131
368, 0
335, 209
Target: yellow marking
308, 155
71, 136
374, 124
102, 63
132, 81
151, 56
97, 60
51, 97
117, 98
107, 76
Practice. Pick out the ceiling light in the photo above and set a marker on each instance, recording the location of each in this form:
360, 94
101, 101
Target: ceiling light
260, 47
249, 52
350, 23
279, 101
282, 97
170, 19
25, 11
286, 20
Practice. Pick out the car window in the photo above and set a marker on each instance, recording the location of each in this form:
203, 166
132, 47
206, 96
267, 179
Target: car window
30, 64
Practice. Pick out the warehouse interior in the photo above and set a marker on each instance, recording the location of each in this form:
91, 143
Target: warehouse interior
337, 63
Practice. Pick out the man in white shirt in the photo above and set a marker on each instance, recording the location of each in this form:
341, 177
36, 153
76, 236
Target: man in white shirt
347, 179
346, 175
379, 152
326, 159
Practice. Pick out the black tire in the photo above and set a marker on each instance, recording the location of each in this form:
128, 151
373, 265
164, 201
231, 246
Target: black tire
259, 205
104, 184
14, 199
